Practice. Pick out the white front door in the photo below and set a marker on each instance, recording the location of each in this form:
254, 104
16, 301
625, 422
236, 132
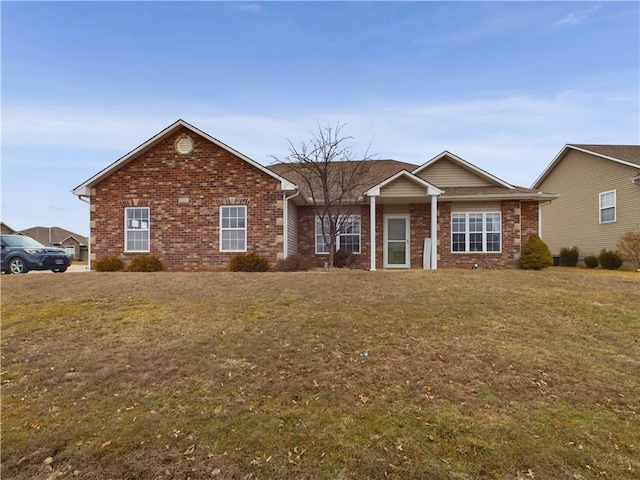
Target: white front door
396, 241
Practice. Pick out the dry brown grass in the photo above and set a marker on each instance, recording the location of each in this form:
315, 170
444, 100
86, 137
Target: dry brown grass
334, 375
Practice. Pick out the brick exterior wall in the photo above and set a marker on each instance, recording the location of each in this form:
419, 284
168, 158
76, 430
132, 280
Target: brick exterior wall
519, 220
184, 194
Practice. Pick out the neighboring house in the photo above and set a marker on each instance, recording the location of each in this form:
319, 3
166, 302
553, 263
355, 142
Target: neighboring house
599, 187
76, 246
6, 229
194, 202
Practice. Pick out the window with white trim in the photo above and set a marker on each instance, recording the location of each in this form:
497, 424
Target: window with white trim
608, 206
233, 228
348, 239
476, 232
136, 229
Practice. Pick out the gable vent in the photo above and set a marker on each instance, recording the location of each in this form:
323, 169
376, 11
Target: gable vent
184, 145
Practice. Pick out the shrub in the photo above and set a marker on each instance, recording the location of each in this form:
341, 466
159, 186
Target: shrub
249, 262
610, 259
535, 254
145, 263
629, 248
569, 256
591, 261
108, 264
343, 259
294, 263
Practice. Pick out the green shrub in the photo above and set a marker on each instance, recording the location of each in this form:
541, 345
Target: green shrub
107, 264
294, 263
569, 256
342, 259
591, 261
535, 254
249, 262
610, 259
145, 263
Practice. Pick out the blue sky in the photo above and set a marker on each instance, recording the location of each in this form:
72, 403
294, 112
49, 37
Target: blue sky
503, 85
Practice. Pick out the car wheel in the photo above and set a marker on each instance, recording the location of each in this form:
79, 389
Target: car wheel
17, 265
59, 270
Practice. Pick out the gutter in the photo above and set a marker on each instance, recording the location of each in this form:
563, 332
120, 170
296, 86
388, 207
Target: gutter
499, 196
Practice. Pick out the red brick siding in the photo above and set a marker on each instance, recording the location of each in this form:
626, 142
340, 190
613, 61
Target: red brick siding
185, 236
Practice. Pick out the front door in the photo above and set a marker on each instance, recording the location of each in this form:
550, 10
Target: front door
396, 241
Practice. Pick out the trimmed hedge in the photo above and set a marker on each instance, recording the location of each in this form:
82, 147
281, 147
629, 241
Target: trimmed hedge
610, 259
591, 261
569, 256
145, 263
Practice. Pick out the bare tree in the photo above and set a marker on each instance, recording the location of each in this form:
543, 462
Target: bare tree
330, 178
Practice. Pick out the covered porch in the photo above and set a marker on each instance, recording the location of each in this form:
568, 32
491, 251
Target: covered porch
403, 223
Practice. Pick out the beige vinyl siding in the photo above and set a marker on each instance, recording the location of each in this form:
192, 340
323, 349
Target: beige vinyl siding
445, 173
574, 218
401, 209
475, 207
292, 229
403, 187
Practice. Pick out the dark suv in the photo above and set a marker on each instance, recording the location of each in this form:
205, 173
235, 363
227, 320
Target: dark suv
20, 254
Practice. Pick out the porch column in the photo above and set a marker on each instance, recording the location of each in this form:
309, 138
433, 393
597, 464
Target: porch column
434, 231
372, 230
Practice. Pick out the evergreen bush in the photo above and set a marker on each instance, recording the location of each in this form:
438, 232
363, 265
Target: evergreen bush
294, 263
107, 264
591, 261
249, 262
535, 254
569, 256
610, 259
145, 263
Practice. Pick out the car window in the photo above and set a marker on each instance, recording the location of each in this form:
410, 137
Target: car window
20, 241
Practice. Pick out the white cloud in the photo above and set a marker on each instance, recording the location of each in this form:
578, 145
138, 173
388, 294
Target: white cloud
577, 17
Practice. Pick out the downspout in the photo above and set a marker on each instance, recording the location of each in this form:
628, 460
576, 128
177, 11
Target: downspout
285, 226
88, 202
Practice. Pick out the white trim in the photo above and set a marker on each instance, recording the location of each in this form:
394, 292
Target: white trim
614, 206
246, 226
385, 255
434, 232
337, 240
467, 233
127, 230
84, 188
463, 163
372, 230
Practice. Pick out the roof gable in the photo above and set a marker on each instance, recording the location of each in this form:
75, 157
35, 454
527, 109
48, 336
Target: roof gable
628, 155
449, 170
404, 178
83, 189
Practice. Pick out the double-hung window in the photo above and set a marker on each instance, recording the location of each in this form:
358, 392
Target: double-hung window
608, 206
136, 229
475, 232
348, 239
233, 228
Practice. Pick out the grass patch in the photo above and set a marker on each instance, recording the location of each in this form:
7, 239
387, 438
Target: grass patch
322, 375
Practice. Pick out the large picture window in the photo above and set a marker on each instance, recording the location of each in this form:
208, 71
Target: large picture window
136, 229
476, 232
233, 228
608, 206
348, 239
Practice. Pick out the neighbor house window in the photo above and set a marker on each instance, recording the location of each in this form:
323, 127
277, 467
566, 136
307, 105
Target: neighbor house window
475, 232
608, 207
233, 228
136, 229
348, 239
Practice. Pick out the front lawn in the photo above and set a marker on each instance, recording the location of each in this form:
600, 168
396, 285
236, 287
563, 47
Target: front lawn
321, 375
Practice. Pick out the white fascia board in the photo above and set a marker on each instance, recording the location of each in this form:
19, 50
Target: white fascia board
465, 164
550, 167
84, 188
503, 196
